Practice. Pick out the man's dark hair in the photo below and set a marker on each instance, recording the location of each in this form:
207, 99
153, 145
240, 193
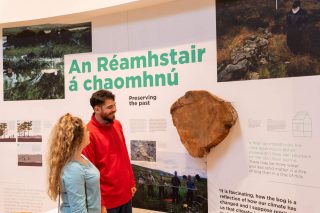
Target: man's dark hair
100, 96
296, 3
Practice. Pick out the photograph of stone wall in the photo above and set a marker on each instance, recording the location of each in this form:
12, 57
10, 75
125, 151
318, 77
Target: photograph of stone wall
263, 39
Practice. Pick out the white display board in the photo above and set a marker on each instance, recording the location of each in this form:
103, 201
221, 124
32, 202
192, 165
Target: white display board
146, 84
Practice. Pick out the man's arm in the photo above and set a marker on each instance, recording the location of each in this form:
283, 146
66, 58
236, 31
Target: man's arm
90, 150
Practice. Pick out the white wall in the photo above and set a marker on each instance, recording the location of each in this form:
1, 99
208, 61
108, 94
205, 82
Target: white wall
19, 10
174, 23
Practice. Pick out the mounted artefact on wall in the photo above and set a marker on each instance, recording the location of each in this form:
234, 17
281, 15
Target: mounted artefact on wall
202, 121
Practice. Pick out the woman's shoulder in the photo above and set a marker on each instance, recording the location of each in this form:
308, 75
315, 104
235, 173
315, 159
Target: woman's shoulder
73, 173
72, 167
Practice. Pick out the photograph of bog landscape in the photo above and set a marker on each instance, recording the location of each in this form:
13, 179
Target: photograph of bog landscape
33, 66
263, 39
29, 154
29, 160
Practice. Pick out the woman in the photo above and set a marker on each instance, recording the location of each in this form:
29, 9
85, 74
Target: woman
71, 175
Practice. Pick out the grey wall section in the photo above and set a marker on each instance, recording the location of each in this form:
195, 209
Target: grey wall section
168, 24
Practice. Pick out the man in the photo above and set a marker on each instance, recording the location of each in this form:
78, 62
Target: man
191, 188
141, 180
161, 187
9, 79
296, 23
108, 152
175, 184
150, 183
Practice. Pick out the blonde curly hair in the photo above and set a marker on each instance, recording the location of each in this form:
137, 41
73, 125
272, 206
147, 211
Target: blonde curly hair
65, 139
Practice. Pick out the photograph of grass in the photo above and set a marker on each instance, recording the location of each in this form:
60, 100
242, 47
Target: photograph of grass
33, 59
29, 131
175, 183
263, 39
7, 131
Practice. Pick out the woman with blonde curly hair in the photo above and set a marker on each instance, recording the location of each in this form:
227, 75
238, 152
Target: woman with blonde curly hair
72, 175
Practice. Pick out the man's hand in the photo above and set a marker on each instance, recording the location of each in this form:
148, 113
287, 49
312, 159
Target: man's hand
133, 190
103, 209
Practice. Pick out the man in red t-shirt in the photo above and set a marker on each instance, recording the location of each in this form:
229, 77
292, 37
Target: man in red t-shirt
108, 152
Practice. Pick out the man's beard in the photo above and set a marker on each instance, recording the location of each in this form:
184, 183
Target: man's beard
107, 119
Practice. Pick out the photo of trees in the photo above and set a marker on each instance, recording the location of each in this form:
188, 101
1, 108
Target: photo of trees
7, 133
26, 132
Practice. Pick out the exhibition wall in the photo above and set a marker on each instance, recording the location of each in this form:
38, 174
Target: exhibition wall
263, 165
20, 11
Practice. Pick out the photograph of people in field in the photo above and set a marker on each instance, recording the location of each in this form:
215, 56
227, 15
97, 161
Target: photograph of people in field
176, 182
